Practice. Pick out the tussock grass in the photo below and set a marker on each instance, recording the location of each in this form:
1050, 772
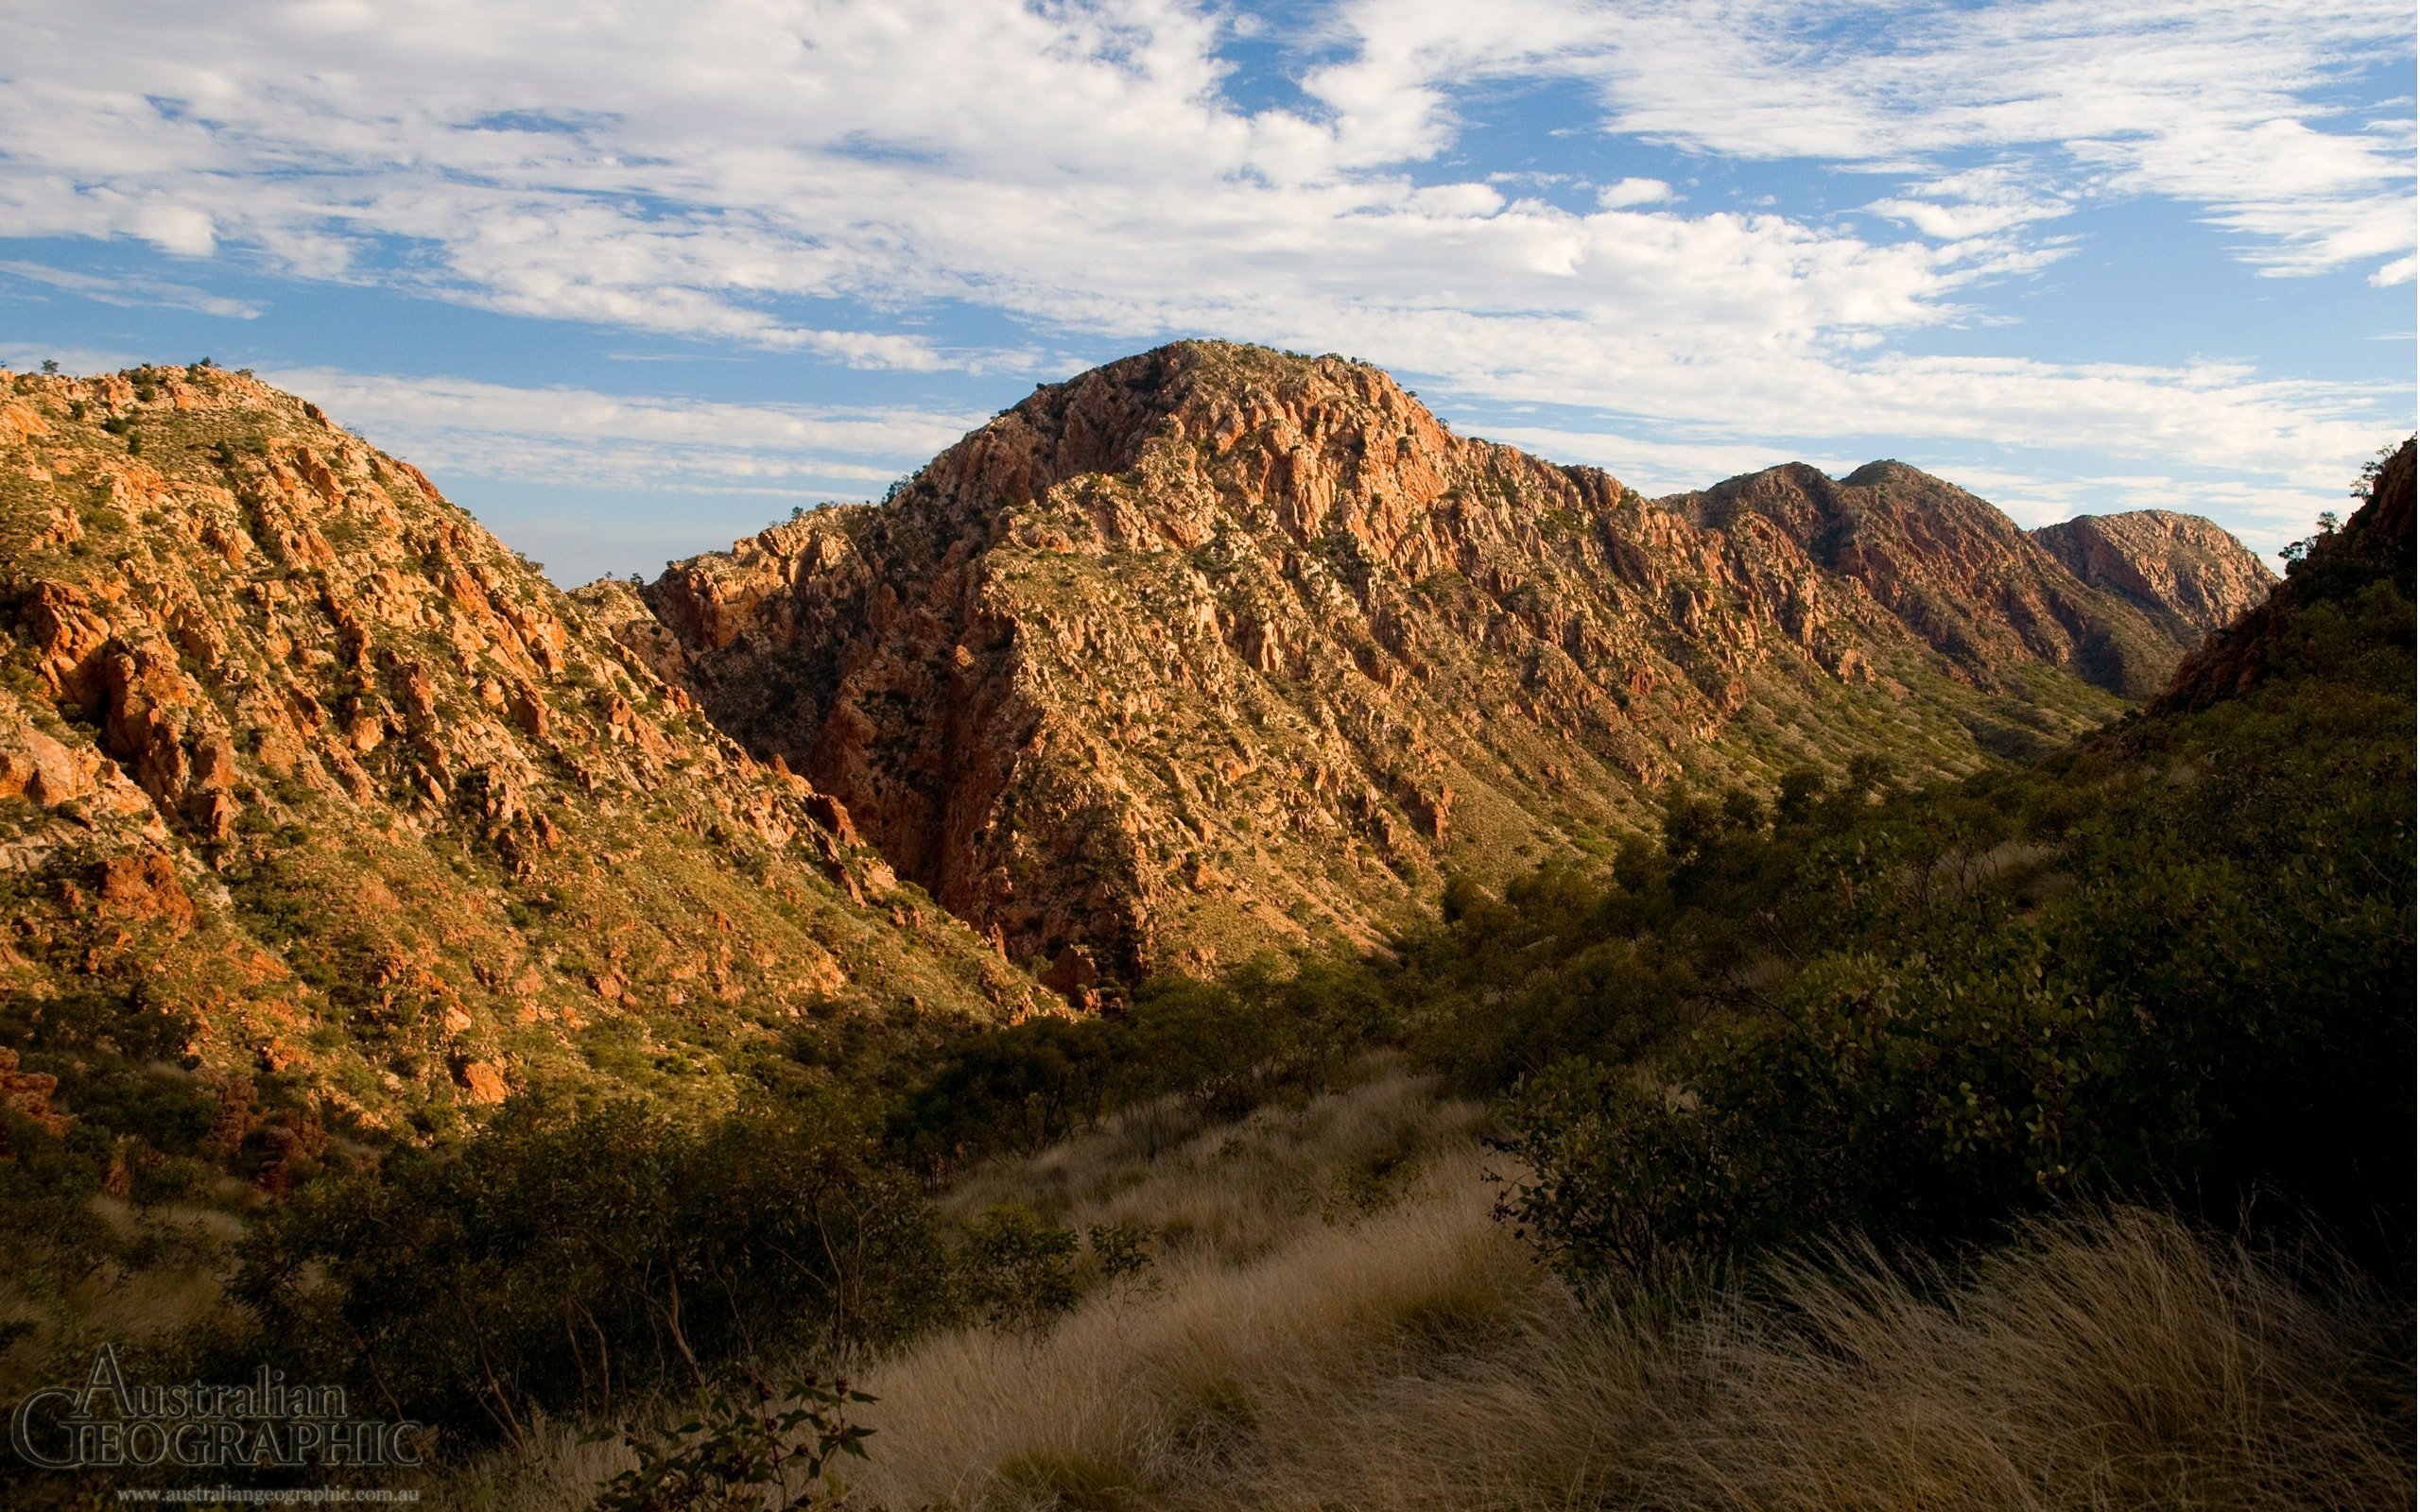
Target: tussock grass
1134, 1397
51, 1318
1292, 1350
1417, 1358
2111, 1359
1237, 1190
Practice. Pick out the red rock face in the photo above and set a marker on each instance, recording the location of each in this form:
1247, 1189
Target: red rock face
1992, 597
2187, 573
1213, 649
294, 745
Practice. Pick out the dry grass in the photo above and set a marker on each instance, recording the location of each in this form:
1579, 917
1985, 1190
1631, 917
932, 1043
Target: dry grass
1236, 1191
2110, 1360
1308, 1344
182, 1284
1417, 1360
1134, 1397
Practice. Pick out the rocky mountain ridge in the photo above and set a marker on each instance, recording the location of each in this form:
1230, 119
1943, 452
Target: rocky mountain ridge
308, 779
2187, 575
2114, 599
1215, 649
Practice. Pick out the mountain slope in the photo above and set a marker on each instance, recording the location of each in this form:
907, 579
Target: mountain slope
305, 774
2374, 545
2188, 576
1216, 647
1962, 576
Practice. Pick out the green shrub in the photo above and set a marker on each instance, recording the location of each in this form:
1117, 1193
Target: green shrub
747, 1448
562, 1258
1016, 1272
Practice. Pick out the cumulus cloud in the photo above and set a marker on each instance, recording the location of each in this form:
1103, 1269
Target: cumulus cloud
1634, 192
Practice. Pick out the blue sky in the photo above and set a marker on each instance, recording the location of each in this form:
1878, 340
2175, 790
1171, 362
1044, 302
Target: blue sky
630, 281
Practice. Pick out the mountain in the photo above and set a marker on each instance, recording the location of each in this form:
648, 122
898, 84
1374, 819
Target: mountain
2188, 576
2374, 545
306, 776
1987, 594
1217, 647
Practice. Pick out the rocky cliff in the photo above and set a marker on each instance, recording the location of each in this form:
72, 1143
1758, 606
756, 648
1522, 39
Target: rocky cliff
1215, 649
301, 765
2187, 575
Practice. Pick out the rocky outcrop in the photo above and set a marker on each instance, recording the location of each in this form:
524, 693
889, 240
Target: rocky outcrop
293, 750
1956, 571
1217, 649
2187, 575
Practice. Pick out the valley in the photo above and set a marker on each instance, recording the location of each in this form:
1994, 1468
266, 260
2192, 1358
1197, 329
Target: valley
1223, 945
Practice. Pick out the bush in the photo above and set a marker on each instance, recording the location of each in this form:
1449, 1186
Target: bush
750, 1448
1016, 1272
1217, 1047
563, 1258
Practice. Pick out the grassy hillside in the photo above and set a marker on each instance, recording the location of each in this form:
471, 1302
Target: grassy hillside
2045, 1112
2034, 1139
1333, 1317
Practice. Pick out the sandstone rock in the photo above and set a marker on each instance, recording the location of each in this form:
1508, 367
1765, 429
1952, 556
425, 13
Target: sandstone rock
144, 885
2181, 568
1213, 647
44, 771
394, 789
1071, 972
483, 1083
830, 812
28, 1093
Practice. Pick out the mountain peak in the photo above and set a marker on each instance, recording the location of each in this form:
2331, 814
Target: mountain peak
1216, 648
1203, 394
1890, 470
2182, 570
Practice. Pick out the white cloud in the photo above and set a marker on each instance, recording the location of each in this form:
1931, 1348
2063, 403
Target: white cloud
1981, 203
133, 292
1634, 192
458, 426
2233, 107
1077, 166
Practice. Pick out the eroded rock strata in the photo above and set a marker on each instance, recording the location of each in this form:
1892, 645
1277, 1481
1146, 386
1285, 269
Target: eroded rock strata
2187, 573
297, 757
1217, 649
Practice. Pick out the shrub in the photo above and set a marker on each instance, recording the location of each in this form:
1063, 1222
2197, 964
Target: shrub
1016, 1272
751, 1448
519, 1270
